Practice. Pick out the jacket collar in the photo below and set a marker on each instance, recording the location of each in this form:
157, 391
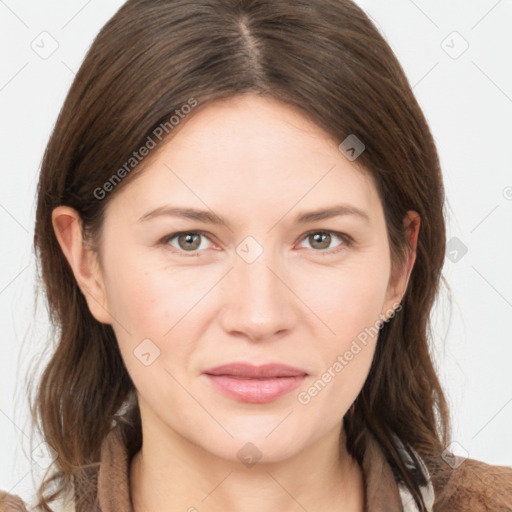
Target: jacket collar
383, 492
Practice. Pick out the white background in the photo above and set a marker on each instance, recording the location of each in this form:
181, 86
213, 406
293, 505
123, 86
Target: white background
468, 103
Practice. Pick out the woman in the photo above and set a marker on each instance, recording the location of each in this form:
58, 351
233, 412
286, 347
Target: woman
241, 234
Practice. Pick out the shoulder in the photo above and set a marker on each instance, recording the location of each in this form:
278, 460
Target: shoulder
475, 486
11, 503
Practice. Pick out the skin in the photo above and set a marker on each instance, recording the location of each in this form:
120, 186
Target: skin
259, 163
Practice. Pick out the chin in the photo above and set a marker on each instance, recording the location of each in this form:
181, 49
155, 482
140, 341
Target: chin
266, 439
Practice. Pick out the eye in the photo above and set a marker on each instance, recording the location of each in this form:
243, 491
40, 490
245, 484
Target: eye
191, 241
187, 241
321, 240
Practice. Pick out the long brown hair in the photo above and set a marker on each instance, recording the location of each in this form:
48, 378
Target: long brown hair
324, 57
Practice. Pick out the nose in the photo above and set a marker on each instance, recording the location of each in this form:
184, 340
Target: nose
258, 301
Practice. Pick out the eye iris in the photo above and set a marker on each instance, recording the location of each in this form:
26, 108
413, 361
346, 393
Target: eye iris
187, 238
319, 237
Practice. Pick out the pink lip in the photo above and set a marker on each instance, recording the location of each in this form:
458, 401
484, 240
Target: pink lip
255, 384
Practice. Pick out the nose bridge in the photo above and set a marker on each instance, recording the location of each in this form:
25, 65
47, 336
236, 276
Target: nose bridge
259, 303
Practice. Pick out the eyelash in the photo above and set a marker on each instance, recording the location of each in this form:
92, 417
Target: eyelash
348, 241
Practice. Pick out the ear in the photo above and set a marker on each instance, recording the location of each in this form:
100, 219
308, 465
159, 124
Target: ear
82, 259
400, 277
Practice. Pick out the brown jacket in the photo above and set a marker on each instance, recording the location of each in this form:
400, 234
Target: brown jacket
473, 486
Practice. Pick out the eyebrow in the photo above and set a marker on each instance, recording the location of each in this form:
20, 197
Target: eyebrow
210, 217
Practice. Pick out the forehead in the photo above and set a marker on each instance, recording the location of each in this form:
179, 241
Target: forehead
249, 155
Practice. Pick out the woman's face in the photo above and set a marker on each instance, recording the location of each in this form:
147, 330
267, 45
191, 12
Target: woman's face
264, 288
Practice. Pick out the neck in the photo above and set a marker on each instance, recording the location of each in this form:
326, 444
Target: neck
171, 473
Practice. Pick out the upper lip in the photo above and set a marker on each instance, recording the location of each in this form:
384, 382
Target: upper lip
255, 372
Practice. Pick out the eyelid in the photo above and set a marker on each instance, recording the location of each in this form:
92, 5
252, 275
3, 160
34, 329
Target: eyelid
348, 240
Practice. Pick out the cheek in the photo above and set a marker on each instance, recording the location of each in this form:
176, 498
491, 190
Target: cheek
147, 299
346, 358
347, 299
349, 302
161, 305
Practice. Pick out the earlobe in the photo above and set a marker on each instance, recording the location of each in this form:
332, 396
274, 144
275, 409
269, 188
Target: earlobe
67, 226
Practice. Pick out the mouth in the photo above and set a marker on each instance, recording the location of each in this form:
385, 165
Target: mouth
247, 371
255, 384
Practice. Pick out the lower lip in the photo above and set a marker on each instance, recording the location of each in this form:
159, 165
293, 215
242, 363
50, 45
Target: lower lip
256, 391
